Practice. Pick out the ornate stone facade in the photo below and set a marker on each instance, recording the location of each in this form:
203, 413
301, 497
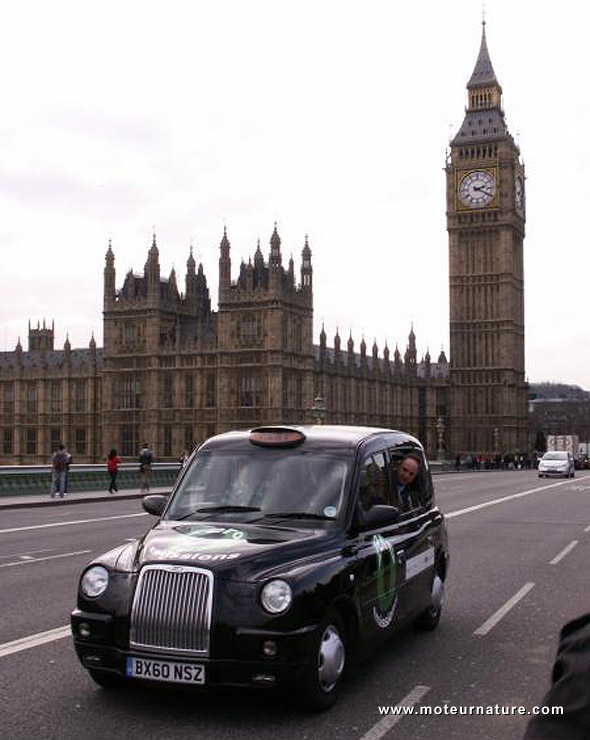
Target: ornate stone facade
174, 372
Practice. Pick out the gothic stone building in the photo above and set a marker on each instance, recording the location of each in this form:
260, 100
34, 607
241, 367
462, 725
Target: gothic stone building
174, 372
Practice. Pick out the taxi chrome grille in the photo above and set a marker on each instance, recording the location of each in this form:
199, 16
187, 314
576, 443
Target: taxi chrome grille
171, 609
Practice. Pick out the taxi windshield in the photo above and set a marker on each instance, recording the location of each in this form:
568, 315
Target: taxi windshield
273, 482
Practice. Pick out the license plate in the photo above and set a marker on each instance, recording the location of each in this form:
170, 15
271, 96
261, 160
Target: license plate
165, 670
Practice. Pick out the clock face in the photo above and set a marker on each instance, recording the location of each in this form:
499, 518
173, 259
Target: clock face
477, 189
519, 193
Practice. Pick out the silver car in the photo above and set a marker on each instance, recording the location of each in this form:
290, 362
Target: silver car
556, 463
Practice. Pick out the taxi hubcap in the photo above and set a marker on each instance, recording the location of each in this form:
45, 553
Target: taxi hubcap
331, 658
438, 595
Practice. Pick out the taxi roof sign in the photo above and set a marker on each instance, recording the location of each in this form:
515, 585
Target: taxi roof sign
276, 437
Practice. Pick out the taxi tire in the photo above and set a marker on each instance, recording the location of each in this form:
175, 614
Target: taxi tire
332, 634
107, 680
429, 619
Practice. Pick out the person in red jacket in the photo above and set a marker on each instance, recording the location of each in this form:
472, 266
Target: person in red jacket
113, 461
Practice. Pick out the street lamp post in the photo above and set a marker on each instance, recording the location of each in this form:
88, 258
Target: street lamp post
440, 430
319, 410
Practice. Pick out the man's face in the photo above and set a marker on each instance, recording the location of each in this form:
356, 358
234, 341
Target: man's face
407, 471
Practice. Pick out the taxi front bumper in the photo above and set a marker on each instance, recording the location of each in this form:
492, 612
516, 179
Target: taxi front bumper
248, 664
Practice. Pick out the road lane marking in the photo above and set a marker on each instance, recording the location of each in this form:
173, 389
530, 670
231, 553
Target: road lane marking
490, 623
26, 554
587, 528
30, 561
384, 725
67, 524
560, 556
24, 643
501, 500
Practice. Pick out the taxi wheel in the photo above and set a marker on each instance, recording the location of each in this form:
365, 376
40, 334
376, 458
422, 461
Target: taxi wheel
429, 619
324, 677
107, 680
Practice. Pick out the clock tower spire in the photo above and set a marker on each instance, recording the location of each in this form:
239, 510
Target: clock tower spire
486, 227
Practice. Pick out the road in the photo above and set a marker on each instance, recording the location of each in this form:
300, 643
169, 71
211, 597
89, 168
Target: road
519, 553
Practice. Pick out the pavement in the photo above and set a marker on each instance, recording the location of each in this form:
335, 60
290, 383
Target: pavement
21, 501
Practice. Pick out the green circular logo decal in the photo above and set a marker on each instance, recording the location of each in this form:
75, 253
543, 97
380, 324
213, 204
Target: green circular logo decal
386, 573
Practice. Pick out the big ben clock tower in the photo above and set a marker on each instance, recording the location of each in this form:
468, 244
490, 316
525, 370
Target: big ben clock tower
485, 221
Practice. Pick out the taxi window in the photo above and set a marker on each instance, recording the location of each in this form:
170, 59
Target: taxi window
273, 480
374, 485
408, 479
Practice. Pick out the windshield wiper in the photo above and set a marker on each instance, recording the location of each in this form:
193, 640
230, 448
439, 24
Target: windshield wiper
218, 509
297, 515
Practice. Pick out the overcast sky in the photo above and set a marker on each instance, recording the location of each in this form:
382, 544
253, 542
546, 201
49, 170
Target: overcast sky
329, 117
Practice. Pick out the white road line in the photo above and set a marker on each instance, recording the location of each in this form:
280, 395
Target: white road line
31, 561
587, 528
24, 643
490, 623
67, 524
495, 501
384, 725
26, 554
560, 556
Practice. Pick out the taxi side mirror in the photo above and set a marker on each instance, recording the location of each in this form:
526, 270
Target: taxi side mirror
379, 515
155, 503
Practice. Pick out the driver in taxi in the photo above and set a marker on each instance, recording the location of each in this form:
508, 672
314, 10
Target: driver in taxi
404, 476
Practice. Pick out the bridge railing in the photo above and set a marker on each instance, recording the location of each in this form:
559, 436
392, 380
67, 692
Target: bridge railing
27, 479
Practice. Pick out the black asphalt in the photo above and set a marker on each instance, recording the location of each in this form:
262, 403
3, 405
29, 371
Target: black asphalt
495, 551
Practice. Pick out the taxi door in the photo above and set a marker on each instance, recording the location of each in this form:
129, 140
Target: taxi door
380, 552
419, 525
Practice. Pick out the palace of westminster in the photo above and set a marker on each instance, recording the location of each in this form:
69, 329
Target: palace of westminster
173, 372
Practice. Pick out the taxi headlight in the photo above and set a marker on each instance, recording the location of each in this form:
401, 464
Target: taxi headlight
94, 581
276, 596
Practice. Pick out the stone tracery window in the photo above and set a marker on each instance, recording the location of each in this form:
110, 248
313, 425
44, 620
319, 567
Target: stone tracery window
249, 329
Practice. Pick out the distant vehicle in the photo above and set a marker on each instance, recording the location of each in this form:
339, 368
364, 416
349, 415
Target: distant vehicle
564, 443
281, 552
557, 462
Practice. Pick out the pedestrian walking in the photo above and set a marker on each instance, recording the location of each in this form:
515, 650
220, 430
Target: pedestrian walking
59, 464
113, 461
145, 466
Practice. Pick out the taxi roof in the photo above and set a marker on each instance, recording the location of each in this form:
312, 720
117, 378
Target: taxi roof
324, 435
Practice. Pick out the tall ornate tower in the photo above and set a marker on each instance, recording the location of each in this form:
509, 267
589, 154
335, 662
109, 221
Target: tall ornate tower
265, 339
485, 221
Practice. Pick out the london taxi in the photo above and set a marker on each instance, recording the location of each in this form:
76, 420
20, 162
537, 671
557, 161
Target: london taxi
281, 553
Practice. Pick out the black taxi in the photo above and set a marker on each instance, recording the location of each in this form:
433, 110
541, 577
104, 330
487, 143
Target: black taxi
281, 553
